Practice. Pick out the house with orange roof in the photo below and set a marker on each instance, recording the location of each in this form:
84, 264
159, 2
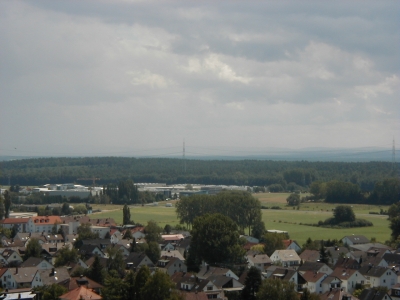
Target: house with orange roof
291, 245
81, 293
43, 223
20, 224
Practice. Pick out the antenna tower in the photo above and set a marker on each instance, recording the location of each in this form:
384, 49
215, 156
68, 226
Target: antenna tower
183, 157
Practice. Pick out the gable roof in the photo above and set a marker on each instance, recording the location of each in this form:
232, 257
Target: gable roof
311, 276
207, 271
11, 221
23, 275
345, 263
357, 239
373, 294
136, 258
57, 275
75, 282
343, 274
81, 293
336, 294
259, 259
373, 271
46, 220
311, 266
310, 255
32, 262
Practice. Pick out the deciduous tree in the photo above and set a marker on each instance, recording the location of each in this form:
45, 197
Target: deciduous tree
215, 239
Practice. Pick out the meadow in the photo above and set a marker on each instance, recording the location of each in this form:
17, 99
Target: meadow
286, 218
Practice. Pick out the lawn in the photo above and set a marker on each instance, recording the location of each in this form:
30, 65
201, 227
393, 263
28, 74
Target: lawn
287, 218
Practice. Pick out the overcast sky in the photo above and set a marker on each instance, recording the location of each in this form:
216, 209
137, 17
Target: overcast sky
138, 77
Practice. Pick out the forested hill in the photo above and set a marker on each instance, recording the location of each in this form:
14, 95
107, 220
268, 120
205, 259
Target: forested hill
167, 170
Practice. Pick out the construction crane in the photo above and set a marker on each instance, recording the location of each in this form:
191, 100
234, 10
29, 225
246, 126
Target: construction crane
92, 178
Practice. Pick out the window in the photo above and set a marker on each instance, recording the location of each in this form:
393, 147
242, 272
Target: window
209, 288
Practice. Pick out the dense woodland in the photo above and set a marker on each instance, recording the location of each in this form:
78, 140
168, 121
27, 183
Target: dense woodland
171, 171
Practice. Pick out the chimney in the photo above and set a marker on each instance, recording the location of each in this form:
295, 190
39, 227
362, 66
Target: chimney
52, 272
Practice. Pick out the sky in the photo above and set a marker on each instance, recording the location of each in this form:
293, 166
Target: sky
132, 78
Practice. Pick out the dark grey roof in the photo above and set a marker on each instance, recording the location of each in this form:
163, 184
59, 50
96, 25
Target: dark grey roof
373, 294
374, 271
311, 266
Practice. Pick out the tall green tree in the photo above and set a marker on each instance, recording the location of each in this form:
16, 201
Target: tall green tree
293, 199
272, 242
2, 208
7, 203
126, 215
141, 278
153, 252
159, 287
114, 287
343, 213
51, 292
96, 271
66, 255
276, 289
215, 239
33, 249
153, 232
252, 284
115, 259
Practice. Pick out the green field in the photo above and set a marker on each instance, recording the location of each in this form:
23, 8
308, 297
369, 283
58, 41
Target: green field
287, 218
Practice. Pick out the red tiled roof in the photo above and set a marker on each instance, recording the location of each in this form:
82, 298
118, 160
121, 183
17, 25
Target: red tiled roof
47, 220
81, 293
14, 220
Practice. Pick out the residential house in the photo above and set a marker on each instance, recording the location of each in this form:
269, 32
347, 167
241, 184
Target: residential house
172, 238
367, 246
379, 276
288, 258
172, 253
395, 292
39, 263
291, 245
250, 239
43, 223
350, 278
337, 294
330, 283
135, 260
54, 276
25, 278
194, 285
206, 271
313, 281
10, 257
336, 252
288, 274
20, 224
354, 240
6, 279
260, 261
310, 255
171, 265
91, 250
316, 267
75, 282
374, 294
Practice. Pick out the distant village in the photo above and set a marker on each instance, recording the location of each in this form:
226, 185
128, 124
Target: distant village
356, 262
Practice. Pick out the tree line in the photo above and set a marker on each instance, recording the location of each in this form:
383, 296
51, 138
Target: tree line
385, 192
241, 207
285, 175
